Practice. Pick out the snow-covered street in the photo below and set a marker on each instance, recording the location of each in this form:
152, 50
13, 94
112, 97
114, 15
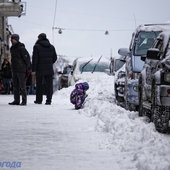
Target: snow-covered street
101, 136
54, 137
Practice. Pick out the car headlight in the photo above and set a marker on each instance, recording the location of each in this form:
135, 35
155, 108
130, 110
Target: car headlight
121, 74
135, 88
167, 77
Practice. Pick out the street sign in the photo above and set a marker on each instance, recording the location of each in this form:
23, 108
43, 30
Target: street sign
10, 9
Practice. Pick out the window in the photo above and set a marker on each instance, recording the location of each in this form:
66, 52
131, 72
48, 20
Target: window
144, 41
118, 64
100, 67
158, 44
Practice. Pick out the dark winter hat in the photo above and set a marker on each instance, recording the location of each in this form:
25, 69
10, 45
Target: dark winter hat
15, 37
85, 86
42, 36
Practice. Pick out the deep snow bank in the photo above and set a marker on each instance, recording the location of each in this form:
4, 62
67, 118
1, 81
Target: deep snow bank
136, 141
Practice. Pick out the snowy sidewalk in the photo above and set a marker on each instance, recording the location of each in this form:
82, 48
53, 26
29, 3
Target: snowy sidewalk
101, 136
52, 137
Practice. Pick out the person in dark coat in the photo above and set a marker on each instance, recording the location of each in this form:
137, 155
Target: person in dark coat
78, 95
44, 56
6, 76
20, 64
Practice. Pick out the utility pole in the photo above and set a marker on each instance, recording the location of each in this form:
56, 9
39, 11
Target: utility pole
7, 8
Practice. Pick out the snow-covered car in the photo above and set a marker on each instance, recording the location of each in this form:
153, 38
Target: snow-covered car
119, 79
88, 65
154, 83
64, 77
62, 70
142, 40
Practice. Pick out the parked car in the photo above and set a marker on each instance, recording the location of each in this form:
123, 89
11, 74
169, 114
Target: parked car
62, 70
88, 65
64, 77
154, 83
119, 79
142, 40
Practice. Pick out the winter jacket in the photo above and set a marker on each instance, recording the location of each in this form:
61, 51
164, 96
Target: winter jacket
20, 58
6, 70
78, 96
44, 56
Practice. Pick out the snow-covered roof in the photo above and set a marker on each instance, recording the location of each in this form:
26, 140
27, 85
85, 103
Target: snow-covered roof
93, 60
153, 27
119, 57
166, 35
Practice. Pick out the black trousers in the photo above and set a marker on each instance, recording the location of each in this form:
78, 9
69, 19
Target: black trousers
44, 85
19, 86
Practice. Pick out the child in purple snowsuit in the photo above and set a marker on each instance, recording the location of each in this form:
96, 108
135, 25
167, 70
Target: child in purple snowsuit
78, 95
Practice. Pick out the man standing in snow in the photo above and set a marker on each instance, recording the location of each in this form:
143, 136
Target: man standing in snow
44, 56
20, 64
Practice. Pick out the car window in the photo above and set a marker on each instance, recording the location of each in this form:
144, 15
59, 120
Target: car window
101, 67
144, 41
67, 70
158, 44
87, 68
118, 64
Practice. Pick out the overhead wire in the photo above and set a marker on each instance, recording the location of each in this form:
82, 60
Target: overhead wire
91, 30
55, 11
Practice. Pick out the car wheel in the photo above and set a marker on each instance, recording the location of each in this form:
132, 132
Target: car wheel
161, 118
127, 104
116, 92
153, 96
159, 114
140, 96
59, 84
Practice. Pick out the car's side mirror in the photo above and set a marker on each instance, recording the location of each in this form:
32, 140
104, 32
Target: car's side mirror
153, 53
143, 58
124, 52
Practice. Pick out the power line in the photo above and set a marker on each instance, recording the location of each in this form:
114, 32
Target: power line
55, 13
54, 20
60, 29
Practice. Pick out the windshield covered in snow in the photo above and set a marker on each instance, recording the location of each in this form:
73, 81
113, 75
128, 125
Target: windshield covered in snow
144, 41
118, 64
100, 67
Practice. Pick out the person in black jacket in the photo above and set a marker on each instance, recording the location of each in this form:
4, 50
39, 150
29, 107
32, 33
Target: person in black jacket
20, 64
44, 56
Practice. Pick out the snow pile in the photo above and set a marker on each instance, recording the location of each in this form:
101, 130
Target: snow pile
136, 142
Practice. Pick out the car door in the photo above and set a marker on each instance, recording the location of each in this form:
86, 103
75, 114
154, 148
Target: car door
151, 68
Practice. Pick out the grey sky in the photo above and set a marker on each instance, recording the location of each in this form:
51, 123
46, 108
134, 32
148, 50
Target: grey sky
119, 17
